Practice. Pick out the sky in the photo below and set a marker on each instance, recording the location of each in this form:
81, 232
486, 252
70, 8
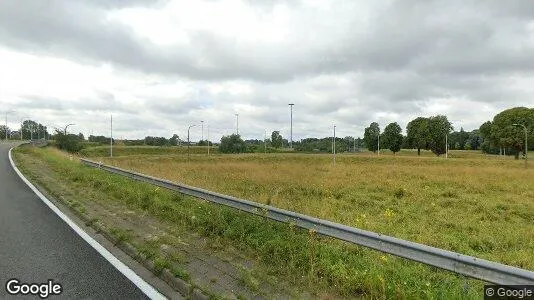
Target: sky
161, 66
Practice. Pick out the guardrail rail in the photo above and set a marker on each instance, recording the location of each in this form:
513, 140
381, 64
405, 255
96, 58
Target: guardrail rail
458, 263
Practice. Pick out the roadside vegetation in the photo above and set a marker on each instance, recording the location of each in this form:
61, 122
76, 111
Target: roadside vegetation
323, 266
470, 203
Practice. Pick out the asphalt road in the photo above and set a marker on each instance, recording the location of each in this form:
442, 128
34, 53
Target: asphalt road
36, 245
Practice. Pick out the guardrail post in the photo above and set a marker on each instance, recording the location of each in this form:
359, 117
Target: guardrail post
312, 234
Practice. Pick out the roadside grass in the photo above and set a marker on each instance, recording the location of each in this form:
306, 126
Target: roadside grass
473, 204
316, 264
146, 150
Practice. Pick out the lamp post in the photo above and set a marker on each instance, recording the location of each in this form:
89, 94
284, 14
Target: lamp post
188, 143
446, 145
379, 143
237, 123
526, 141
334, 145
291, 131
208, 140
65, 130
202, 122
7, 112
111, 139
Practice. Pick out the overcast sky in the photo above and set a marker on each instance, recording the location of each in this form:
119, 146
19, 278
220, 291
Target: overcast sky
159, 67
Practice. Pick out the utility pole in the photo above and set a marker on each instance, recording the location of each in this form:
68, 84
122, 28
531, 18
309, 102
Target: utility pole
446, 145
208, 140
6, 126
265, 141
188, 143
291, 131
111, 140
378, 143
334, 145
237, 123
202, 122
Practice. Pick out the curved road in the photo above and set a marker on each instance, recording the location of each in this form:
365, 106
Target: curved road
36, 245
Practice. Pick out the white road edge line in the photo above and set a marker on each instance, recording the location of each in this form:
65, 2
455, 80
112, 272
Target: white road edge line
146, 288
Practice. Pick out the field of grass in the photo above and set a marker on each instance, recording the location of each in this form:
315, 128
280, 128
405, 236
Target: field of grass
145, 150
469, 203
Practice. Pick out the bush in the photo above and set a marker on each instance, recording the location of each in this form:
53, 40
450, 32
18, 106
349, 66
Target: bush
70, 143
232, 144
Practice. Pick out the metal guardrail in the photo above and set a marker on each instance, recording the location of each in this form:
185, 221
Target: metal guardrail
458, 263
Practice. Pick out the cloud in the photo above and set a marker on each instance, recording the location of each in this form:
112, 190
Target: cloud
173, 63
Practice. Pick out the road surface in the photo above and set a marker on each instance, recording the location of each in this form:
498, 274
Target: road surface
36, 246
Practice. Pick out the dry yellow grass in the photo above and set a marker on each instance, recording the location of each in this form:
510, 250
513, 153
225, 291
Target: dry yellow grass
469, 203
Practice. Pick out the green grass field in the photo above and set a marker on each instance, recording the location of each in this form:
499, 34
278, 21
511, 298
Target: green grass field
469, 203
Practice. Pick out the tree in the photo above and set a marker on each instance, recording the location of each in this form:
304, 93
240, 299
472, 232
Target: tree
69, 142
503, 134
174, 140
438, 127
392, 137
232, 144
3, 131
370, 136
418, 134
277, 140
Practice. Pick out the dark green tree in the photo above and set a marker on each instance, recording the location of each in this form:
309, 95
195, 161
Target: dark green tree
232, 144
277, 140
69, 142
503, 134
370, 136
392, 137
418, 134
439, 127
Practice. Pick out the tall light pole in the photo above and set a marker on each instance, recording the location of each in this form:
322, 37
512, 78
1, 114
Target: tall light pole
334, 145
208, 140
188, 143
446, 145
202, 122
378, 142
65, 130
291, 131
7, 112
111, 133
237, 123
526, 141
265, 141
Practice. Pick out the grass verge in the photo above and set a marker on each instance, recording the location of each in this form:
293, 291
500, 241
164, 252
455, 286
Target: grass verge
320, 266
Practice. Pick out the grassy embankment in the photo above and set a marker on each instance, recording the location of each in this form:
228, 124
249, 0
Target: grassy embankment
456, 204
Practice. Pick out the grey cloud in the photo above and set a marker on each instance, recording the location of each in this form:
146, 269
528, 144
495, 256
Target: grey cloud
405, 54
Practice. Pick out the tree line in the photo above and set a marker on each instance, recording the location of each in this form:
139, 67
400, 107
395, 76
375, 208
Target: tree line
503, 134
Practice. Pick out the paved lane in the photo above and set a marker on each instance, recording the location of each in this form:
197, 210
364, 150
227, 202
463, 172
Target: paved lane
36, 245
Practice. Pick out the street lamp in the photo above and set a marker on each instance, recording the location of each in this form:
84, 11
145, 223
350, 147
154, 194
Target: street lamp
7, 112
379, 143
526, 141
237, 122
334, 145
291, 135
65, 131
188, 143
202, 122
